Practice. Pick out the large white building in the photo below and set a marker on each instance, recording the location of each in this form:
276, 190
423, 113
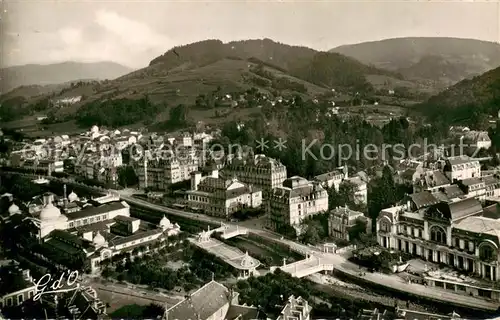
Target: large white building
340, 175
296, 200
476, 139
460, 168
158, 173
458, 233
260, 171
221, 197
96, 230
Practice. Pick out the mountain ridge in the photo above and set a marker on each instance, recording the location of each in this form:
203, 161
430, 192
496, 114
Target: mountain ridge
417, 57
58, 73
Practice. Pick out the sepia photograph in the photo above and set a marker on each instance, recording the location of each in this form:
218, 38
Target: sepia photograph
250, 159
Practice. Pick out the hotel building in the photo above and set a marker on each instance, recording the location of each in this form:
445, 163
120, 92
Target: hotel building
460, 168
458, 233
296, 200
221, 197
158, 174
260, 171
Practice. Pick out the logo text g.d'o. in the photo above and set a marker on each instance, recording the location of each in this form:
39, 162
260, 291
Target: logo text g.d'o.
63, 284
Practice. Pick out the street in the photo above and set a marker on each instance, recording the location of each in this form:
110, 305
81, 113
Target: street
341, 264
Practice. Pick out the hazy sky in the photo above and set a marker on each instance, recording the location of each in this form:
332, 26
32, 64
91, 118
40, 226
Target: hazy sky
134, 32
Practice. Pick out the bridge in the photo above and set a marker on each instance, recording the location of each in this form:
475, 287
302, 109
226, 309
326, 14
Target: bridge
340, 263
231, 231
303, 268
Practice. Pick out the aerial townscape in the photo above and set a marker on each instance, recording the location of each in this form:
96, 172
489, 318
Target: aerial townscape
249, 179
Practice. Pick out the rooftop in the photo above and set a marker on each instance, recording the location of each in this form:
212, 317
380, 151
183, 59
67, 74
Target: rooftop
12, 280
96, 210
423, 199
461, 160
480, 225
201, 304
471, 181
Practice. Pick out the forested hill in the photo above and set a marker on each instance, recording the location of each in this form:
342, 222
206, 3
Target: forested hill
441, 60
321, 68
467, 100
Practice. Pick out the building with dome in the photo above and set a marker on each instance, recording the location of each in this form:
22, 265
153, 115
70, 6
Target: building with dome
70, 213
243, 262
168, 227
104, 239
295, 201
73, 197
14, 209
70, 229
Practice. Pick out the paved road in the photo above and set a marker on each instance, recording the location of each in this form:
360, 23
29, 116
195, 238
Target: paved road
341, 264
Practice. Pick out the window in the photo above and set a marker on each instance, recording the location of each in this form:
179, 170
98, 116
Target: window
385, 226
438, 234
487, 252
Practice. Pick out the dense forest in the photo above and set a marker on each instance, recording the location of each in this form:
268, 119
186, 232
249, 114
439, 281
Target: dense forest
118, 112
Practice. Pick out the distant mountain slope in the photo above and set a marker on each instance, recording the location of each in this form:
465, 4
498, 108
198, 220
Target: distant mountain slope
321, 68
443, 60
480, 95
200, 73
57, 73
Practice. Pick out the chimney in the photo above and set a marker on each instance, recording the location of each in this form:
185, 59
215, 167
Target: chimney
65, 198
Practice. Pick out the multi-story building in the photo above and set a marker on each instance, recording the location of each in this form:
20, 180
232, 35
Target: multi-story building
460, 234
17, 286
343, 221
430, 180
180, 170
476, 139
260, 171
48, 166
473, 187
460, 168
337, 177
159, 173
95, 230
332, 179
492, 185
221, 197
296, 200
361, 189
